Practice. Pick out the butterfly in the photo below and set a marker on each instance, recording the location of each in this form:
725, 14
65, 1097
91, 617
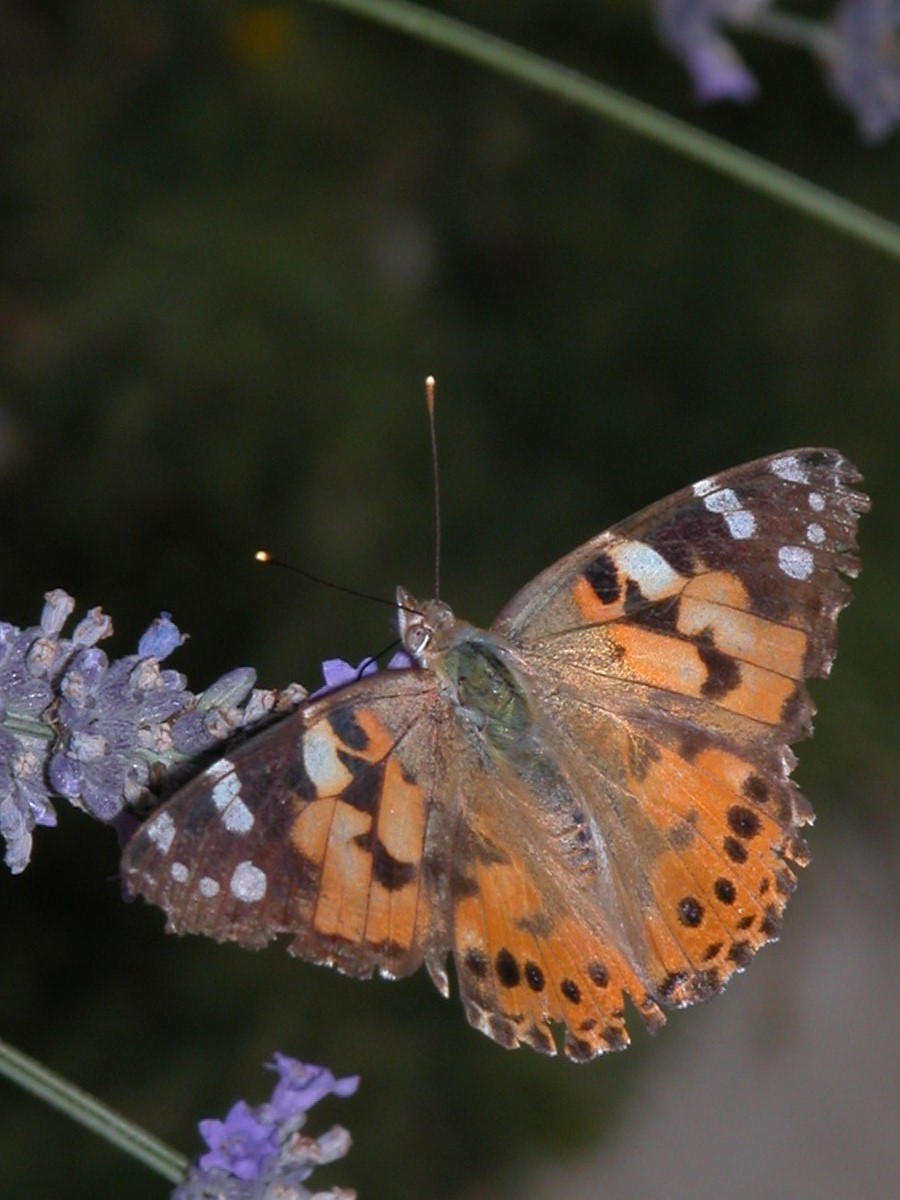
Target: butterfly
587, 802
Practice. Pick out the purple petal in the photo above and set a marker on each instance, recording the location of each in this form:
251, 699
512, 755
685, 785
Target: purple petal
240, 1145
863, 64
162, 637
302, 1085
337, 673
691, 29
57, 610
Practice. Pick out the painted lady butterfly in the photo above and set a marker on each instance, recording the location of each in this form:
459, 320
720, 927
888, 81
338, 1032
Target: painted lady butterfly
588, 801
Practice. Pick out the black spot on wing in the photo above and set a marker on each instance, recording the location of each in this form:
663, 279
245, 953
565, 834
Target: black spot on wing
690, 911
598, 974
346, 727
364, 789
571, 991
743, 821
723, 673
756, 789
682, 835
387, 870
658, 615
297, 779
534, 976
507, 969
462, 885
770, 926
691, 742
613, 1037
792, 710
740, 953
735, 850
724, 890
476, 963
603, 577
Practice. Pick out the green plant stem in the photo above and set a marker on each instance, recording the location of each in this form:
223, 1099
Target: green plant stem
633, 115
90, 1113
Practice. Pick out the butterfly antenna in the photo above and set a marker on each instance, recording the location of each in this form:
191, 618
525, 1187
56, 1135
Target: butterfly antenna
269, 560
429, 400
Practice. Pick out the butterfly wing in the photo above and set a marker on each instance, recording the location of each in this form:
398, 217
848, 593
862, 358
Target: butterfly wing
668, 658
322, 826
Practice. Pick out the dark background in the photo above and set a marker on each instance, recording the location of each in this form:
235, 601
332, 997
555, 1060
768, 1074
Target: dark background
234, 240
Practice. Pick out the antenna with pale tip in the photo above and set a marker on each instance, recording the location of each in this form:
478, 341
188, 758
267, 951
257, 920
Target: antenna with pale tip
429, 400
269, 560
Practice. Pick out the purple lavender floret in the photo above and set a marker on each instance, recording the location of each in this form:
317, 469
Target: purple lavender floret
692, 30
301, 1085
863, 64
240, 1145
337, 673
258, 1153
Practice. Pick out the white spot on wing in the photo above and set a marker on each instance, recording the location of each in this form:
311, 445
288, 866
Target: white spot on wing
725, 500
815, 533
741, 525
237, 817
219, 769
704, 486
648, 569
796, 561
790, 469
816, 501
179, 872
226, 793
208, 887
248, 883
161, 832
323, 766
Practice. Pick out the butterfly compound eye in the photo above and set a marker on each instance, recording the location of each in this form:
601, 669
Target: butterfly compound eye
417, 639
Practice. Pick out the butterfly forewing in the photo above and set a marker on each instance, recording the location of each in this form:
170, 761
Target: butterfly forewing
318, 827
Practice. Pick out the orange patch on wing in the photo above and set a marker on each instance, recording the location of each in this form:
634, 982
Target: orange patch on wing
717, 602
398, 915
659, 660
309, 832
346, 877
592, 607
718, 587
761, 694
380, 742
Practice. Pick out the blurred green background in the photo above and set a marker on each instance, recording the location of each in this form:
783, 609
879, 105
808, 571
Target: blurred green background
235, 238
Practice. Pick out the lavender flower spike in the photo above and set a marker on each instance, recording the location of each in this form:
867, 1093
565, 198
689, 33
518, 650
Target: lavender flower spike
76, 725
259, 1153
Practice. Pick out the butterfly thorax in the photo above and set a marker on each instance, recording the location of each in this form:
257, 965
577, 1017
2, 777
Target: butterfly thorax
471, 666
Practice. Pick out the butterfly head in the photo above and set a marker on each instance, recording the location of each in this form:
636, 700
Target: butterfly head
426, 627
